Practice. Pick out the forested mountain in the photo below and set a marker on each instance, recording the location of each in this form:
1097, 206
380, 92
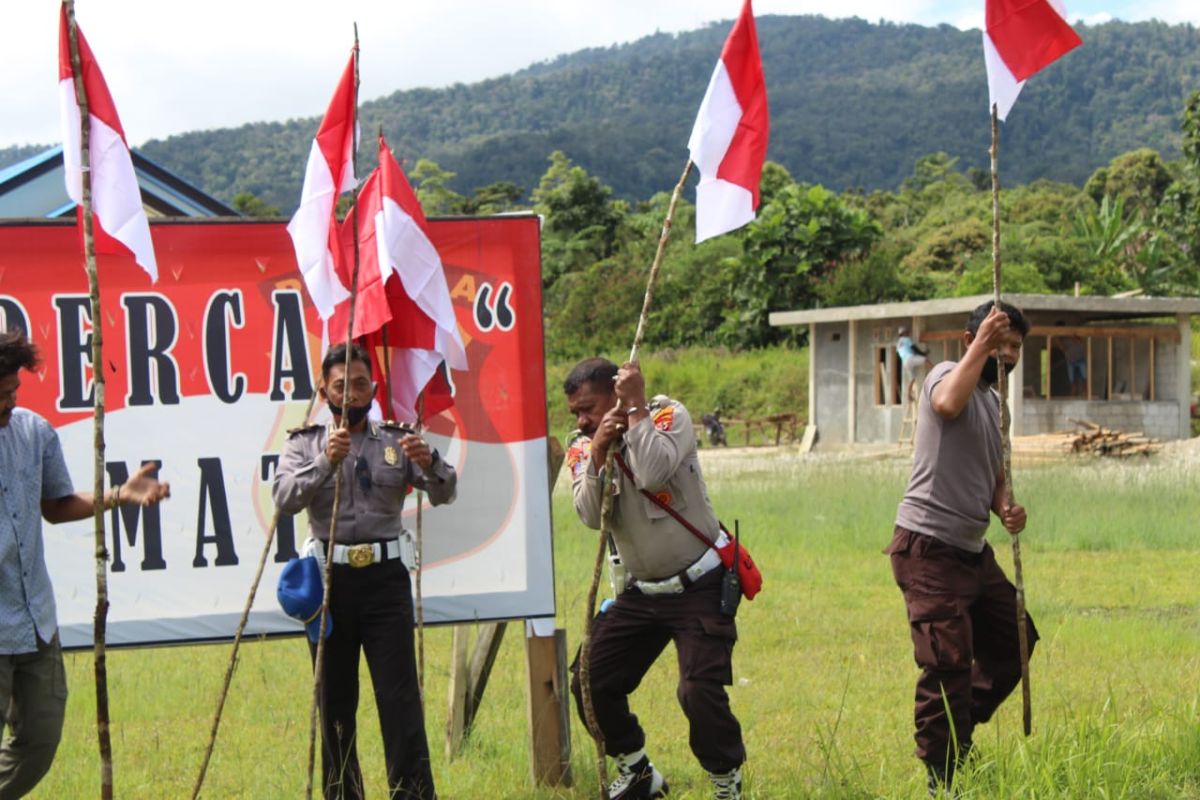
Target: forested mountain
853, 104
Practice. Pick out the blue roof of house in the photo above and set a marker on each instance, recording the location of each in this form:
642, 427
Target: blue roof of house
35, 188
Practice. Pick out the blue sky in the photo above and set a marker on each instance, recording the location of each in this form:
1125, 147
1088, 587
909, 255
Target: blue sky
174, 67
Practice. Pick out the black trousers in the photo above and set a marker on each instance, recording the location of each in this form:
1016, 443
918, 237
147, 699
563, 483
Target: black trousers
962, 614
631, 635
372, 612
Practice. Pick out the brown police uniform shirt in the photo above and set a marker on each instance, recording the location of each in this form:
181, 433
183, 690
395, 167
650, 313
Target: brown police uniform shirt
956, 463
661, 453
376, 476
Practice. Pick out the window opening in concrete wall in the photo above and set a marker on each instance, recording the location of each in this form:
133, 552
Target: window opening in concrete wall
1117, 365
887, 376
1082, 362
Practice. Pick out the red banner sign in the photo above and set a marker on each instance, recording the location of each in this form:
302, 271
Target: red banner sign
205, 371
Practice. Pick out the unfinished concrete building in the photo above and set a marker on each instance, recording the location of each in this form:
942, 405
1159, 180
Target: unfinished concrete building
1133, 354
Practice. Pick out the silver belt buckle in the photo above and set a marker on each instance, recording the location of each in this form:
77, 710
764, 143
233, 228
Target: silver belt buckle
360, 555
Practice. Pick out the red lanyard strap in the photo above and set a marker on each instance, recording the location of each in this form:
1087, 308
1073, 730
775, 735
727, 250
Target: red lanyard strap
658, 502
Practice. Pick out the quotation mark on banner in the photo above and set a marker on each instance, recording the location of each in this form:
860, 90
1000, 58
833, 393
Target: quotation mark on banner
494, 312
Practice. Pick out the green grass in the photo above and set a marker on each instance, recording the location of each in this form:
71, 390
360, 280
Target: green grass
746, 384
823, 670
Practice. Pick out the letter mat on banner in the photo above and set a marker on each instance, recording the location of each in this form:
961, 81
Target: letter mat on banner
207, 369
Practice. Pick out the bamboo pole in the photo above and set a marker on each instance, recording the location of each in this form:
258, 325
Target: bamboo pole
419, 544
658, 257
100, 621
585, 682
319, 660
1005, 441
237, 640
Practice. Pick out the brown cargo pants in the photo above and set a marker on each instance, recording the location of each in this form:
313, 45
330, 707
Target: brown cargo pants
962, 615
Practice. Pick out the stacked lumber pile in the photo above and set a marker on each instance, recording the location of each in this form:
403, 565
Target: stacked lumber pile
1089, 438
1097, 440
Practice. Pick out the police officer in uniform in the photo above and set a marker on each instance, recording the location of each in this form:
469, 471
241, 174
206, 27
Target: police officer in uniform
370, 604
674, 580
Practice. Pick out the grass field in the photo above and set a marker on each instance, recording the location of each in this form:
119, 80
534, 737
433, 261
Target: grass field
823, 670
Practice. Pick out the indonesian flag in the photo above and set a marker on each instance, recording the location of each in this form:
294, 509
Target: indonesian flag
729, 140
121, 224
1022, 37
401, 283
330, 172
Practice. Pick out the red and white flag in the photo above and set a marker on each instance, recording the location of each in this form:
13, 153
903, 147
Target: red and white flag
1020, 38
330, 172
729, 140
121, 224
401, 282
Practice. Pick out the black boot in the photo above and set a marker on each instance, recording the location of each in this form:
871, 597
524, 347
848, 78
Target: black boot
637, 779
942, 773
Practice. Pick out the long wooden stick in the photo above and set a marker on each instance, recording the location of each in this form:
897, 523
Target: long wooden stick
319, 660
658, 257
419, 545
1005, 440
606, 503
100, 621
237, 639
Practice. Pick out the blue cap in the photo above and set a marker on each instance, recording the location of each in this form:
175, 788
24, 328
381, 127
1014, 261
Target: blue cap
301, 592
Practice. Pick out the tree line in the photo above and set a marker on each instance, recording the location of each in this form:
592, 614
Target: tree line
853, 104
1133, 225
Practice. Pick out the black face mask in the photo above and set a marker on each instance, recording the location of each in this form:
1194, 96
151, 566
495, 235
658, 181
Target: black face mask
354, 415
990, 374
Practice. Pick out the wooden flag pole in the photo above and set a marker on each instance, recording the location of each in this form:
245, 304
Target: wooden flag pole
237, 639
658, 257
100, 622
319, 660
1005, 439
419, 545
585, 650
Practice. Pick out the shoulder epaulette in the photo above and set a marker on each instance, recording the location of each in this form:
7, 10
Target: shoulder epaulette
659, 401
302, 429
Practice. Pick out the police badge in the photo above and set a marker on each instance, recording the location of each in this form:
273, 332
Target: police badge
389, 455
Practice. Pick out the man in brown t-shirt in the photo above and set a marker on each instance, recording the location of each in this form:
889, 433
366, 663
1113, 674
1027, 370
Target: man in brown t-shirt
961, 607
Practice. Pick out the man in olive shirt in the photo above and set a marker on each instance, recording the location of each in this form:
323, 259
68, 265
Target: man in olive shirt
961, 608
675, 579
370, 603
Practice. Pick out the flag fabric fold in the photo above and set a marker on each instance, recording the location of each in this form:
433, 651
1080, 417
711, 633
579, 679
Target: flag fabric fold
121, 224
729, 139
329, 172
1020, 38
402, 284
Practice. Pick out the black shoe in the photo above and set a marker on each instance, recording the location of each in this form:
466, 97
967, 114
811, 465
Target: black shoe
942, 774
939, 779
637, 780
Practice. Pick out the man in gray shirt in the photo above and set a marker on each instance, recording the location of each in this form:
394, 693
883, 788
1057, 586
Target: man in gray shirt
961, 608
34, 484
